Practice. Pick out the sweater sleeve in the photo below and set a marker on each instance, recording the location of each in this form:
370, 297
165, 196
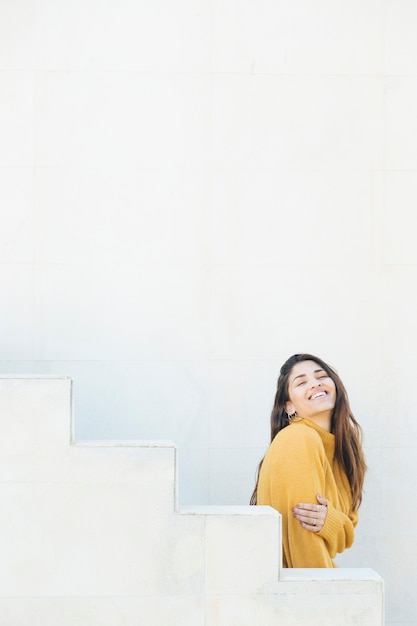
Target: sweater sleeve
296, 471
339, 529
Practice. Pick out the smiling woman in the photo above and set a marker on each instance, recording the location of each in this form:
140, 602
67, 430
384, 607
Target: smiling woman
314, 469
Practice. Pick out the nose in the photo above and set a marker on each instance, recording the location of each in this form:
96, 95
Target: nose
315, 383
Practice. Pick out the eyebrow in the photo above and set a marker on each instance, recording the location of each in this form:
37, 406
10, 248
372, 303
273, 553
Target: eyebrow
315, 371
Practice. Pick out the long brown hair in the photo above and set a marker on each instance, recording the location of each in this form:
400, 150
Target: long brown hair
347, 432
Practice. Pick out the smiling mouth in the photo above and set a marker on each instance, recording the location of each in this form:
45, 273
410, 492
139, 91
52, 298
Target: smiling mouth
319, 394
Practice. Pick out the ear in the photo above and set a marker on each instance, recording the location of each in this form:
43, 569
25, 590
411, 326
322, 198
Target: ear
290, 408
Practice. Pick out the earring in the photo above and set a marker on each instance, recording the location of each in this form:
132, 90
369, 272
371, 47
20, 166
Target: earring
290, 417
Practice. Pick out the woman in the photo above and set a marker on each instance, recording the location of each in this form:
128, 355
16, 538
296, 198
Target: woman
314, 469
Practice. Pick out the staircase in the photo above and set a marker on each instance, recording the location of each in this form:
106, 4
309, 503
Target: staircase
91, 535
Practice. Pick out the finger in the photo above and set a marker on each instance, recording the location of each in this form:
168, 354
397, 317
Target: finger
314, 528
304, 518
307, 506
313, 520
310, 523
322, 501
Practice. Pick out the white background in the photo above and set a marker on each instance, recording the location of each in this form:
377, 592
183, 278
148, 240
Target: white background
192, 191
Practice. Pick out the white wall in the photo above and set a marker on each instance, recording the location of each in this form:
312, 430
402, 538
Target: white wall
190, 192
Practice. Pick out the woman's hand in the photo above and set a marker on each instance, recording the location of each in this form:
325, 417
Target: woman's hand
311, 516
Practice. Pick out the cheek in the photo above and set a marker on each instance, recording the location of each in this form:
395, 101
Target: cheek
296, 396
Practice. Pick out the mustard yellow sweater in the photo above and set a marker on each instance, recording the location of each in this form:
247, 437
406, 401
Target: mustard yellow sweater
298, 465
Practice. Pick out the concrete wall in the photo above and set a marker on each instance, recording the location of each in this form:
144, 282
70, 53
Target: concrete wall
192, 191
90, 535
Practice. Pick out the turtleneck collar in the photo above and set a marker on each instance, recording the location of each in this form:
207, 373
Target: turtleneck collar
327, 438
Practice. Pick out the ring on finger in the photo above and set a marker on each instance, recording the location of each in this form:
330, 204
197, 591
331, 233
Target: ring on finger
314, 521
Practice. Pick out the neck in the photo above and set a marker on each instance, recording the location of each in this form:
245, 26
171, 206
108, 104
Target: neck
324, 420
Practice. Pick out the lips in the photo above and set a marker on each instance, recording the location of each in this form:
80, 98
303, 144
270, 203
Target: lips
319, 394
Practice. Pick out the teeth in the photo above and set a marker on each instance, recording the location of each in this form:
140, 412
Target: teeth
318, 395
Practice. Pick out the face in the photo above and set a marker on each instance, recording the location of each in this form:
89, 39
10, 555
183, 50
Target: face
311, 391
